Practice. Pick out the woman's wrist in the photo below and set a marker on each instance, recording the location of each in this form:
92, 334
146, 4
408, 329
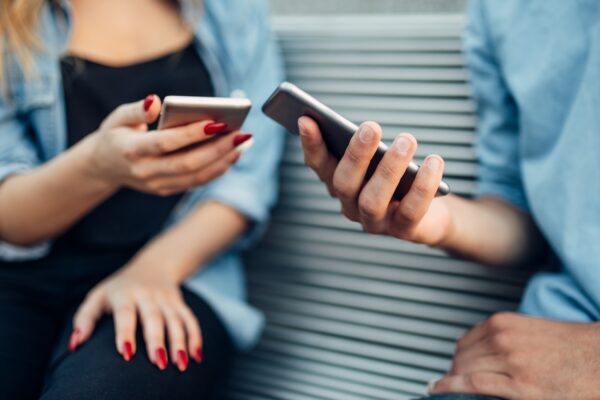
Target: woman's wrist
156, 263
89, 167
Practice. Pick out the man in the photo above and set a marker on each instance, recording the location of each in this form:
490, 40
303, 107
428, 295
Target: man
535, 71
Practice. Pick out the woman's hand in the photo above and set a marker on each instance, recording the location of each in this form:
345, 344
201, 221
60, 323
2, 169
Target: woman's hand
521, 357
142, 288
418, 217
164, 162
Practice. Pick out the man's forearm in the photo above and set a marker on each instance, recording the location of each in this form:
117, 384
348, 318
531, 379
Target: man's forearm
492, 232
203, 234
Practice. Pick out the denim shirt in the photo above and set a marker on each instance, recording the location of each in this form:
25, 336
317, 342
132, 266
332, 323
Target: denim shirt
535, 69
234, 40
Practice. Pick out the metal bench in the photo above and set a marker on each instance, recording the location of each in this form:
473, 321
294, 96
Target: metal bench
350, 315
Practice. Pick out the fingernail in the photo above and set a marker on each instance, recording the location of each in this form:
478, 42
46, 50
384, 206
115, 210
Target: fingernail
402, 144
182, 360
215, 127
243, 142
301, 126
198, 355
433, 163
431, 385
161, 358
74, 340
366, 134
148, 102
127, 351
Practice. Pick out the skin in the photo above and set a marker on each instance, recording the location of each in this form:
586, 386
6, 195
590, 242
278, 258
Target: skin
510, 355
122, 153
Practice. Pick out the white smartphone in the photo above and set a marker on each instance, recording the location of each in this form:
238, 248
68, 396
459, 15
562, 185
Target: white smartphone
183, 110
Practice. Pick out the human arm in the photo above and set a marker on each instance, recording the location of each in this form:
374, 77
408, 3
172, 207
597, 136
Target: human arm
496, 227
245, 193
515, 357
41, 202
150, 285
453, 223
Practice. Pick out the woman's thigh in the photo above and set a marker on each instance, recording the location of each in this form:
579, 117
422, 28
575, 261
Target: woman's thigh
97, 371
27, 337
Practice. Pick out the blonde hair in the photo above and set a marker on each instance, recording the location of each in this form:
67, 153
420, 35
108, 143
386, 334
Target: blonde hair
18, 24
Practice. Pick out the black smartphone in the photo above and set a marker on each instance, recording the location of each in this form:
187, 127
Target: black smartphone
288, 103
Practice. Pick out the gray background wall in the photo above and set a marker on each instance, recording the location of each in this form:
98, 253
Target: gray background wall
366, 6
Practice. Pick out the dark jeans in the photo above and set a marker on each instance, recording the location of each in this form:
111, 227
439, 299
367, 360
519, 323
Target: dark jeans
37, 302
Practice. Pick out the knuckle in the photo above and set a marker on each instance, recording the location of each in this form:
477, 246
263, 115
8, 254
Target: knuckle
422, 189
499, 320
477, 382
121, 110
387, 171
183, 166
163, 144
125, 308
500, 340
342, 188
139, 173
370, 208
408, 214
349, 213
129, 151
352, 156
515, 360
153, 317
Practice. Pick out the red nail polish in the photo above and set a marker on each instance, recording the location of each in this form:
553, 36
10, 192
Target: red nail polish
127, 351
198, 355
239, 139
215, 127
182, 360
148, 102
161, 358
74, 340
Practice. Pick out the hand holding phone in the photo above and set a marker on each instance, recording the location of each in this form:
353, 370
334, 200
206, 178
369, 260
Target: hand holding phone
378, 187
191, 149
288, 103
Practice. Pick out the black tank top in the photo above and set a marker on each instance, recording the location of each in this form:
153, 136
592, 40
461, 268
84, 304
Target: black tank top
129, 218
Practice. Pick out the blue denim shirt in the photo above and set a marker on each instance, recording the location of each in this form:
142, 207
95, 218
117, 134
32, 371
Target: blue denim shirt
535, 69
235, 42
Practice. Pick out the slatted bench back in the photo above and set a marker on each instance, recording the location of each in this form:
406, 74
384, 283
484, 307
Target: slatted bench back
351, 315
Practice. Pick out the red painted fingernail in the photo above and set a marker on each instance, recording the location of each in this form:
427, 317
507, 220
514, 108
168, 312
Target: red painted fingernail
161, 358
148, 102
239, 139
182, 360
215, 127
127, 351
198, 355
74, 340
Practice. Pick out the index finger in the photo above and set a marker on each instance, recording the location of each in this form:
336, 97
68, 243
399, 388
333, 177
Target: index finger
165, 141
316, 154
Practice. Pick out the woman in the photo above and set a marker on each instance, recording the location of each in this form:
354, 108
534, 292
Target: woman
120, 275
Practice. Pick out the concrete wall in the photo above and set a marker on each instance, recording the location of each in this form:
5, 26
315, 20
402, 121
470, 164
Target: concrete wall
366, 6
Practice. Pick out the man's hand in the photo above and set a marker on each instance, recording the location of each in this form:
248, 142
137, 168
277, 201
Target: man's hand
418, 217
520, 357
